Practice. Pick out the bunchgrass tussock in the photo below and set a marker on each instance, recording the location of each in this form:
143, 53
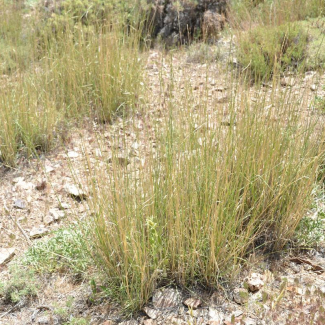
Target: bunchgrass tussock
209, 194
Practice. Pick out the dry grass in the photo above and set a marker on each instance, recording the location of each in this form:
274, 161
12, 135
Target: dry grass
210, 194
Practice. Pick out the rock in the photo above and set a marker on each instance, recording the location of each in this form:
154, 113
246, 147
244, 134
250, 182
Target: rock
41, 186
56, 214
216, 315
24, 185
152, 313
38, 232
72, 154
149, 322
255, 282
108, 322
313, 87
75, 192
179, 21
240, 296
248, 321
175, 321
192, 303
130, 322
166, 298
19, 204
6, 254
43, 320
63, 206
48, 220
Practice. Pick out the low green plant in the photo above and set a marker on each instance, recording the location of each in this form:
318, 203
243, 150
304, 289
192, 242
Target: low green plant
266, 50
22, 285
66, 251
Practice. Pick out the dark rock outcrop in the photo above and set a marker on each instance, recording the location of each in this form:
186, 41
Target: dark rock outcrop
180, 21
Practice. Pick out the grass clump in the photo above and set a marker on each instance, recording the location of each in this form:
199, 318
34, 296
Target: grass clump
205, 199
266, 50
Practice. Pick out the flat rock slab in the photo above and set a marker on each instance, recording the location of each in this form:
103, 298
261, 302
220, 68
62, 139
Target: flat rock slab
166, 298
152, 313
75, 192
192, 303
38, 232
19, 204
6, 254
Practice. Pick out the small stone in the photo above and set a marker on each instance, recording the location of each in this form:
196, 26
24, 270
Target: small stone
38, 232
152, 313
192, 303
215, 315
149, 322
49, 169
41, 186
72, 154
255, 282
63, 206
18, 179
248, 321
240, 296
19, 204
6, 254
43, 320
313, 87
75, 192
166, 298
56, 214
130, 322
48, 220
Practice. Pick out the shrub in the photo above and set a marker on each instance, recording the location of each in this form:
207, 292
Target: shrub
265, 50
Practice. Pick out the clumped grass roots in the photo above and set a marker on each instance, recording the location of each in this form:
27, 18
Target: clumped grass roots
206, 198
